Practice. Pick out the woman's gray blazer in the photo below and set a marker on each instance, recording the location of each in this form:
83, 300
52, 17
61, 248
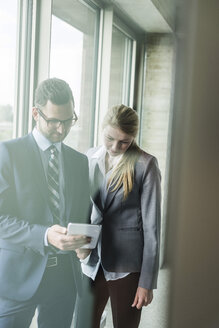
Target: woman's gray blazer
131, 227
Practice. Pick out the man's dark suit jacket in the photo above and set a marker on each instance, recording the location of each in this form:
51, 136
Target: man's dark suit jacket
25, 214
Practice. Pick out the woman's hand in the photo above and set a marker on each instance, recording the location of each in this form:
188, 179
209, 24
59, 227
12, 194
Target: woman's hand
82, 253
143, 297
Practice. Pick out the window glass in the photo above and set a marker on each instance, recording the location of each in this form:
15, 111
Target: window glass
120, 70
8, 27
73, 58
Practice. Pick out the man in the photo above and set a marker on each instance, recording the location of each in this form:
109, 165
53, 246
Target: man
43, 186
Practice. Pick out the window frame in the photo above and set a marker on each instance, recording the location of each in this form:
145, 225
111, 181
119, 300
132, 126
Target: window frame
129, 73
23, 68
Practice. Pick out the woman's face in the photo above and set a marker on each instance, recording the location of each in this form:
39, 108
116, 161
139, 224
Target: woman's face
116, 141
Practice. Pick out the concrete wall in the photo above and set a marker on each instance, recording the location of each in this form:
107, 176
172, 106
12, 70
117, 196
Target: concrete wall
156, 109
193, 203
155, 125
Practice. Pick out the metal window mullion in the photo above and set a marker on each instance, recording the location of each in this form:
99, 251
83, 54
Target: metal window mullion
43, 40
103, 75
17, 73
23, 68
124, 28
129, 72
90, 4
132, 73
95, 73
141, 88
125, 80
33, 65
98, 79
40, 48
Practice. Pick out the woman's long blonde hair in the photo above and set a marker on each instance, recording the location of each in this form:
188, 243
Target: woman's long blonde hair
126, 119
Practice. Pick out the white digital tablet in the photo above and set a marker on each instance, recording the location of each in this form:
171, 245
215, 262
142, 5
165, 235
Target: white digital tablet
90, 230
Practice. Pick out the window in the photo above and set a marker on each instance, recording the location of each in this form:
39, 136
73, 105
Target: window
121, 68
74, 40
8, 27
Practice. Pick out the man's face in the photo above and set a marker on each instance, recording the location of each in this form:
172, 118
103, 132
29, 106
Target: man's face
54, 133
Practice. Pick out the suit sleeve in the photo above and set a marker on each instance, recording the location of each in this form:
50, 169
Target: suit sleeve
151, 213
13, 228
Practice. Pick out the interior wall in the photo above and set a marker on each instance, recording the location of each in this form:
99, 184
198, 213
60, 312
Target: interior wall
157, 96
157, 108
155, 125
193, 231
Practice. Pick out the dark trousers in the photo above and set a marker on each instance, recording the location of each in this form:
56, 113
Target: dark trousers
121, 293
54, 299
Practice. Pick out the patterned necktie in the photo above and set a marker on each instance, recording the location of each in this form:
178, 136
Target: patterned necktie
53, 183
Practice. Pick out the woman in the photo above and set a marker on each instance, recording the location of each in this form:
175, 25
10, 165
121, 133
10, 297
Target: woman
125, 186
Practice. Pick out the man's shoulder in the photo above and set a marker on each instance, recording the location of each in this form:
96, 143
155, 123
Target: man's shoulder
75, 153
16, 142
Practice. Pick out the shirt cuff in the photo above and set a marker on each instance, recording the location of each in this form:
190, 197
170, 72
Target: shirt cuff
45, 238
86, 260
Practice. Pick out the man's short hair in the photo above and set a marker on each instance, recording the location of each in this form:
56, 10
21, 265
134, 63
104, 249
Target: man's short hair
55, 90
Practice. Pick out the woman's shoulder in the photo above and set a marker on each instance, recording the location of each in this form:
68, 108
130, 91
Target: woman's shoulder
145, 156
146, 160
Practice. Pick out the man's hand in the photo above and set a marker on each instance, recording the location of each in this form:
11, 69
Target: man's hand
143, 297
82, 253
57, 236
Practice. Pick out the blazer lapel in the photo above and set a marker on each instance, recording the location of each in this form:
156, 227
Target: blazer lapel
97, 178
111, 195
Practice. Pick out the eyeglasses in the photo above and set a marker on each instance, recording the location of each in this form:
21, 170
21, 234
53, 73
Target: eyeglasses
53, 123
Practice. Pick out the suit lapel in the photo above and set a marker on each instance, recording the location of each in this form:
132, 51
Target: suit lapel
39, 175
111, 195
97, 180
69, 181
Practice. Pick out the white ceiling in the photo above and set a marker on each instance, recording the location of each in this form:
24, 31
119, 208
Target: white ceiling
144, 14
